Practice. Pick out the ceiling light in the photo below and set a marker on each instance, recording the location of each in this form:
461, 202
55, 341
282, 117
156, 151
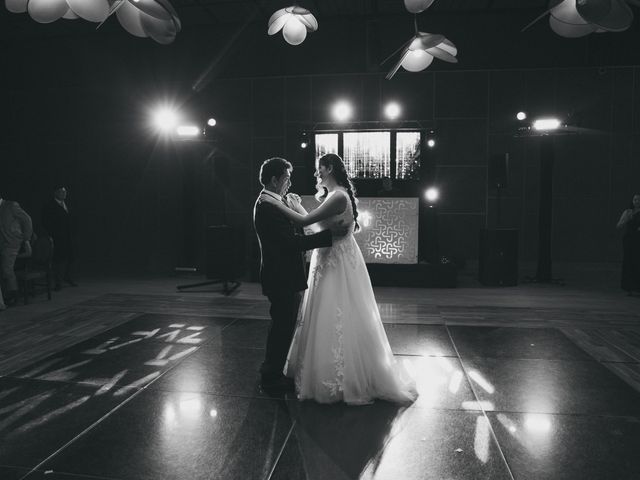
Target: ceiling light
342, 111
392, 110
432, 194
188, 131
543, 124
577, 18
294, 22
418, 53
143, 18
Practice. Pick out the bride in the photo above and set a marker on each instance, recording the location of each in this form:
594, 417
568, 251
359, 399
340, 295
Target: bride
340, 351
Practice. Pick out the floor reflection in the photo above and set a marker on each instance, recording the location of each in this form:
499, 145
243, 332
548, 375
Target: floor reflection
338, 438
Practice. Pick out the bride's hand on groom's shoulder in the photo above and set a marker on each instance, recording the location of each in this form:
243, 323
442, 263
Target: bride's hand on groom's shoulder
293, 199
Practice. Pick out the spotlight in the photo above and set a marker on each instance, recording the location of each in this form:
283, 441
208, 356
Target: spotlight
165, 119
432, 194
304, 142
521, 116
188, 131
544, 124
392, 110
431, 143
211, 122
342, 111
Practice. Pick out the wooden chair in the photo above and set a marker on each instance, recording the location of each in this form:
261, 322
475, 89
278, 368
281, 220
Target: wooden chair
30, 269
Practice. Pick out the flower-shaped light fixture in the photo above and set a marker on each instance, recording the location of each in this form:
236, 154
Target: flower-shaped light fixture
143, 18
577, 18
417, 6
294, 22
418, 53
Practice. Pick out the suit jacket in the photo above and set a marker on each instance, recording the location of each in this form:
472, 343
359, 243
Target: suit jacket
282, 266
15, 224
57, 223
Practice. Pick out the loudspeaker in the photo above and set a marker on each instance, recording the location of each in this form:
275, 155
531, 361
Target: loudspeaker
498, 170
224, 253
498, 261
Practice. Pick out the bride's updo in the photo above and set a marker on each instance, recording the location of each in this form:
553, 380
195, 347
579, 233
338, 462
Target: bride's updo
342, 179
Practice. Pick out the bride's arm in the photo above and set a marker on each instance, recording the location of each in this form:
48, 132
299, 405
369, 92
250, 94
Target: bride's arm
296, 203
334, 205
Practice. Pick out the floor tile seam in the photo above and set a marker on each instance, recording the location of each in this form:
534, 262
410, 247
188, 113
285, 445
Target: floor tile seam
566, 414
557, 360
284, 445
71, 475
419, 324
84, 432
279, 399
615, 362
422, 356
484, 413
608, 343
111, 412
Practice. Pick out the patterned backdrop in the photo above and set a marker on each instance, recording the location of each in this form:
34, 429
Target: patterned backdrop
389, 228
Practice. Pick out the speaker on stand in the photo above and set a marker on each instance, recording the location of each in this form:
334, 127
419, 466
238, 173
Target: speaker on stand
498, 252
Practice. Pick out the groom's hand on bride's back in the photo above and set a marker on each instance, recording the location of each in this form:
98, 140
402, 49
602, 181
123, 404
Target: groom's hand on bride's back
341, 229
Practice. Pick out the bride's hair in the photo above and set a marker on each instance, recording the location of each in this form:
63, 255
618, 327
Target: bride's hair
342, 179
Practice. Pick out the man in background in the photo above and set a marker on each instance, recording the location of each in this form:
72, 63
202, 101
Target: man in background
57, 223
16, 230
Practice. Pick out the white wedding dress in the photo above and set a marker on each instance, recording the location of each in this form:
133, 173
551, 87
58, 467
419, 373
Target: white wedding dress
340, 350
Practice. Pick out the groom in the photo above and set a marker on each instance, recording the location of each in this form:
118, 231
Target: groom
282, 269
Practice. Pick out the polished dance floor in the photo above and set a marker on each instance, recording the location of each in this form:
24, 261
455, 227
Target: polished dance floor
133, 380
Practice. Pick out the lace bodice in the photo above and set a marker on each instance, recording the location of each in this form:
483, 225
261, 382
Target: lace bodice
345, 218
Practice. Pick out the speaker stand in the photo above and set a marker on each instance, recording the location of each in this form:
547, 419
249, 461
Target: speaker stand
545, 217
228, 286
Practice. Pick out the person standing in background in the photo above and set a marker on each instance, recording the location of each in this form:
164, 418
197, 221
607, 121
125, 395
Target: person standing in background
16, 230
57, 223
630, 221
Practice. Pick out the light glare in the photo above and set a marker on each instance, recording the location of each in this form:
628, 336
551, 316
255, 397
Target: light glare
543, 124
392, 110
188, 130
521, 116
432, 194
165, 119
431, 143
342, 111
211, 122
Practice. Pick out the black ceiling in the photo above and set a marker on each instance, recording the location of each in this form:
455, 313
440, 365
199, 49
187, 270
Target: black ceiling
234, 11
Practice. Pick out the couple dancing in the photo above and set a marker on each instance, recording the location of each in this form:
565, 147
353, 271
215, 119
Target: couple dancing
330, 345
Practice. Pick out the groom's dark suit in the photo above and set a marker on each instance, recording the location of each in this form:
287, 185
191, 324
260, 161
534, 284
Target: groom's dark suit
283, 277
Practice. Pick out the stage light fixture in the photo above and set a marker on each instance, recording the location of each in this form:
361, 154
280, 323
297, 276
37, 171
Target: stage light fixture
432, 194
431, 143
392, 110
165, 119
212, 122
544, 124
188, 131
304, 141
342, 111
521, 116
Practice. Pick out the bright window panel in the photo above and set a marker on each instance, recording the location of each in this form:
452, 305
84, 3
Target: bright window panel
408, 155
367, 154
326, 143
